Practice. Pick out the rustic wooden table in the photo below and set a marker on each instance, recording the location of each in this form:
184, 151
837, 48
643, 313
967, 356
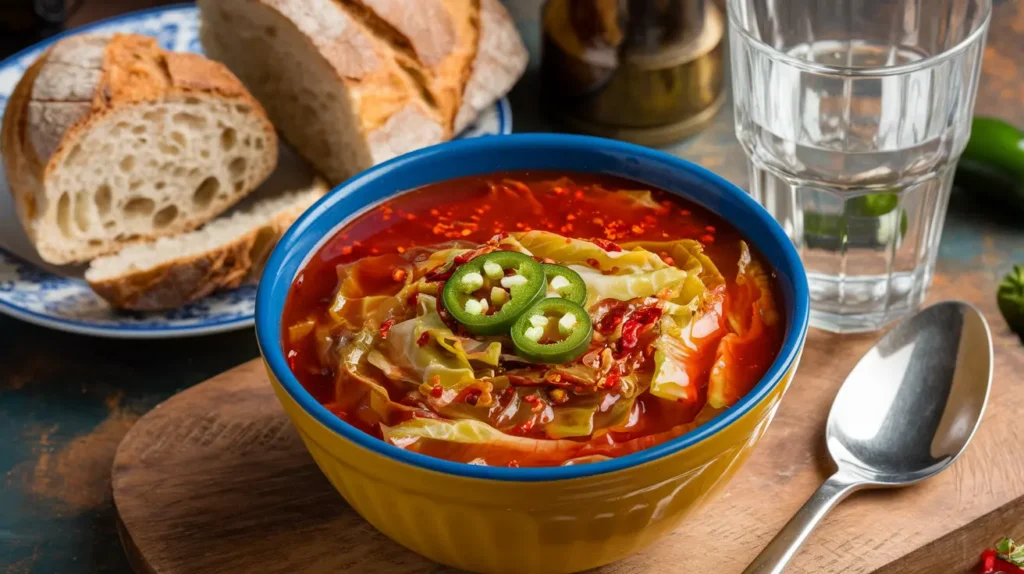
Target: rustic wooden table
66, 400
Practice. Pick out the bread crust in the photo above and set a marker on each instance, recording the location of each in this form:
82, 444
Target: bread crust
415, 71
79, 82
499, 62
184, 280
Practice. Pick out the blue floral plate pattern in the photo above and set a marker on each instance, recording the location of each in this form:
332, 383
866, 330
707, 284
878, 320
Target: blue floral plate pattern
65, 302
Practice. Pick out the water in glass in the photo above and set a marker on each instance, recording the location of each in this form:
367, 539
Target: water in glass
853, 114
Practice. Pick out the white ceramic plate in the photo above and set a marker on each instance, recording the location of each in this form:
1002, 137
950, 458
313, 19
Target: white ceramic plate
57, 297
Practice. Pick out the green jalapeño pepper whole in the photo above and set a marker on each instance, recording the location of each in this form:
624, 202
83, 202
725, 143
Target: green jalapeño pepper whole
554, 330
488, 293
565, 283
991, 168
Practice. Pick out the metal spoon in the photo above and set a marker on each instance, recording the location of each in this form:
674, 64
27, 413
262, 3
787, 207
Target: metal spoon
905, 412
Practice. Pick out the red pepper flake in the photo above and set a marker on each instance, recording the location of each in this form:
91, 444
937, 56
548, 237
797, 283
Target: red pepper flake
374, 251
710, 229
684, 212
606, 245
650, 220
435, 212
436, 391
668, 260
400, 249
610, 381
567, 228
474, 218
593, 262
636, 229
344, 236
570, 217
519, 225
399, 275
385, 328
639, 321
568, 240
438, 229
466, 232
578, 194
597, 221
664, 235
423, 339
346, 250
707, 239
611, 321
292, 355
513, 463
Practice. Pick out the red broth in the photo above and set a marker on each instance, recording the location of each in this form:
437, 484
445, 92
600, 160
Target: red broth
475, 209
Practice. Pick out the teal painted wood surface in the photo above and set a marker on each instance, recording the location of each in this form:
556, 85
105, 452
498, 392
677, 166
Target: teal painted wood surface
66, 400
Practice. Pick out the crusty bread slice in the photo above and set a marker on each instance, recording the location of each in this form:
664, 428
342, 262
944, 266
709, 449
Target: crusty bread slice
110, 140
173, 271
352, 83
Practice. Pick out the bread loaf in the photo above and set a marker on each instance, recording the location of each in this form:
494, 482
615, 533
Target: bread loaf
351, 83
222, 254
110, 140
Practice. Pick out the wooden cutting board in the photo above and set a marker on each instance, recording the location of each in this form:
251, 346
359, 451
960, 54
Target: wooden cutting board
215, 480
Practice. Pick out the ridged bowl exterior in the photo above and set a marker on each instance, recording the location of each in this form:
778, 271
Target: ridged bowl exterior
541, 527
536, 520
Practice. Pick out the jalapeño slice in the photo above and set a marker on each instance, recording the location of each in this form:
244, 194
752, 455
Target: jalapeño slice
554, 330
488, 293
565, 283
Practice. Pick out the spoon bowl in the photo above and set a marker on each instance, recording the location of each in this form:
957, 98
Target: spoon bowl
907, 410
913, 402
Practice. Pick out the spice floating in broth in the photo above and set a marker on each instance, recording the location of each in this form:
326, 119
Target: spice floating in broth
532, 319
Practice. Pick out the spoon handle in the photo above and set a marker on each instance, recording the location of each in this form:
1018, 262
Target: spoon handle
782, 548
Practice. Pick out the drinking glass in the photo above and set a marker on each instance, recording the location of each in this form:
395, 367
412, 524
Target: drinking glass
853, 114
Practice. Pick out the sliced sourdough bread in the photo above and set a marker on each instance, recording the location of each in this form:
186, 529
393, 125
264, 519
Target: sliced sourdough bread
352, 83
110, 140
173, 271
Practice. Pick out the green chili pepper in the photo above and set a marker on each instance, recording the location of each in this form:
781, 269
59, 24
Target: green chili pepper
1011, 299
565, 283
554, 330
992, 166
867, 221
485, 298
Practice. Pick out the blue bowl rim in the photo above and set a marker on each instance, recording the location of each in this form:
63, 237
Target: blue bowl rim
276, 282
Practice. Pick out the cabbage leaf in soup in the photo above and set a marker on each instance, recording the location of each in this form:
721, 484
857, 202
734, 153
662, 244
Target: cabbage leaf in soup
663, 328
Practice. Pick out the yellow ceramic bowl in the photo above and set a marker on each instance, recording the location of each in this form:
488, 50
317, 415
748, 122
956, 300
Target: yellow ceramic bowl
515, 520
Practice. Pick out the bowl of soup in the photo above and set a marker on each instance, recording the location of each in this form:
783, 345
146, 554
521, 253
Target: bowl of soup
532, 353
